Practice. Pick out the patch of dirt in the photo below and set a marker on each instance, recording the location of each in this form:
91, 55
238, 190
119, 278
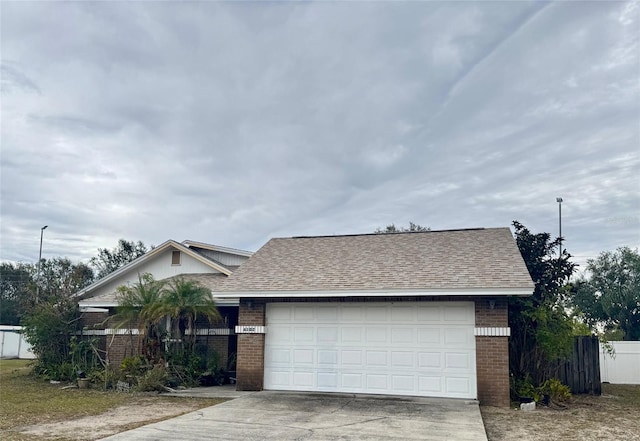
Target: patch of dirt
109, 423
587, 417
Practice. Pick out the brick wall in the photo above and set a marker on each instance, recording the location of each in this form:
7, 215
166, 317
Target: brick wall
219, 344
250, 362
94, 320
492, 353
120, 347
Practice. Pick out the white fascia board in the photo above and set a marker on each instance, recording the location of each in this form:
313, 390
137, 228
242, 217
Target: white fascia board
98, 304
493, 292
231, 301
92, 309
86, 305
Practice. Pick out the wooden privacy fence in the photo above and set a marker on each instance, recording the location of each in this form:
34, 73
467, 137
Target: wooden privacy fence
581, 370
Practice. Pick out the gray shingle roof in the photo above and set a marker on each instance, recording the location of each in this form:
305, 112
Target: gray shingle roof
447, 260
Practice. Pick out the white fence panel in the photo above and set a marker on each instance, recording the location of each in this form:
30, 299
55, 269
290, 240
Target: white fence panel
13, 343
624, 366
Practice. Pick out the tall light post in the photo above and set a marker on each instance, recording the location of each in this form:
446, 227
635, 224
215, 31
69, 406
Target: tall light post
39, 260
559, 201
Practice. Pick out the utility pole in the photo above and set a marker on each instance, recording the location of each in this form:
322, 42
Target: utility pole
559, 201
39, 259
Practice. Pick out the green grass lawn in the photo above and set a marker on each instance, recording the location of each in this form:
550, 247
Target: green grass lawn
26, 400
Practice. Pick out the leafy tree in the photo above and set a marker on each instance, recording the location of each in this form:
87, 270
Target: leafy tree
410, 229
183, 302
49, 326
52, 318
541, 330
60, 278
16, 287
138, 306
107, 261
611, 295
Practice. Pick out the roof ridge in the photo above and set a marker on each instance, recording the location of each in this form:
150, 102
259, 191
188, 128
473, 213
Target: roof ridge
391, 233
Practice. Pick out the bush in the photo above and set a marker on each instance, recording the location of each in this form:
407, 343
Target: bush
153, 380
555, 390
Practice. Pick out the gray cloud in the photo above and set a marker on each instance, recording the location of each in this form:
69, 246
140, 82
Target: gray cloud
232, 123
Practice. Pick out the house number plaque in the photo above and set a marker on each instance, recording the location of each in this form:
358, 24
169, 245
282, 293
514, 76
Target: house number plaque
250, 329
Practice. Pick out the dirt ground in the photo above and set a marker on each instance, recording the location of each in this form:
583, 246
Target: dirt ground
613, 416
114, 421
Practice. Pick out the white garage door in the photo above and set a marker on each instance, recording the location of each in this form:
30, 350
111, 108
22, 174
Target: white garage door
422, 349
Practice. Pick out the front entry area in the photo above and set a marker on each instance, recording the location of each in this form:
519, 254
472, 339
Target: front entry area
392, 348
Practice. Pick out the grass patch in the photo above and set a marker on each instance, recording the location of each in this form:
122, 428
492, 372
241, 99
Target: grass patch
26, 400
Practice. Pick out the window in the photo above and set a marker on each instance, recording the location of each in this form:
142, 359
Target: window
175, 258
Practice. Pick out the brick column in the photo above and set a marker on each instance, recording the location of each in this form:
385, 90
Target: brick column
492, 353
250, 361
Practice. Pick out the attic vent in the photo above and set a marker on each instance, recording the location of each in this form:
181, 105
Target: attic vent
175, 258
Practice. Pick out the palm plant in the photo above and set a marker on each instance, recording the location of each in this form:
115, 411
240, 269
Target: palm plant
139, 306
182, 303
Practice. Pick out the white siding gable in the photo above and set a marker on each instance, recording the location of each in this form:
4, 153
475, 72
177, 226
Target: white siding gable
160, 267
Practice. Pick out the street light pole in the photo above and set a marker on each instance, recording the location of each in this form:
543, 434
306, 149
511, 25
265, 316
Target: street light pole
39, 260
559, 201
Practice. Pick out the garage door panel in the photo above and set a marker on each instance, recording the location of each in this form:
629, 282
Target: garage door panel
403, 336
376, 313
429, 336
281, 333
354, 313
328, 314
303, 356
327, 335
430, 360
376, 335
304, 312
457, 336
351, 358
278, 356
327, 380
403, 360
429, 313
352, 381
403, 314
327, 357
303, 379
303, 335
457, 314
351, 334
457, 385
334, 347
376, 359
430, 385
377, 383
279, 379
405, 383
457, 360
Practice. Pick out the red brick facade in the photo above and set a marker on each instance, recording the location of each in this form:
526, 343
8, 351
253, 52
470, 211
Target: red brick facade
250, 364
492, 353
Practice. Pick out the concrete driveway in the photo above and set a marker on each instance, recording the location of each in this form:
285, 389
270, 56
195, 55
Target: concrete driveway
304, 416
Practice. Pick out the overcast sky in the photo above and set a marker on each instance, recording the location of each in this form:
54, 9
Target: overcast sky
234, 123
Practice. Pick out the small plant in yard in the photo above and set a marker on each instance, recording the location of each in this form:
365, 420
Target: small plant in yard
153, 380
555, 390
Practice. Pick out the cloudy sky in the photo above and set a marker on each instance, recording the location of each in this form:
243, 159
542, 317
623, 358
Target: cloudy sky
234, 123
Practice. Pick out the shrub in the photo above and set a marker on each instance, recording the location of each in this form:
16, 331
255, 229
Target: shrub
153, 380
556, 391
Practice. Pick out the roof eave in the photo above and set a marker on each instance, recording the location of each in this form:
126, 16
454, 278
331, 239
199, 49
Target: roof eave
493, 292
